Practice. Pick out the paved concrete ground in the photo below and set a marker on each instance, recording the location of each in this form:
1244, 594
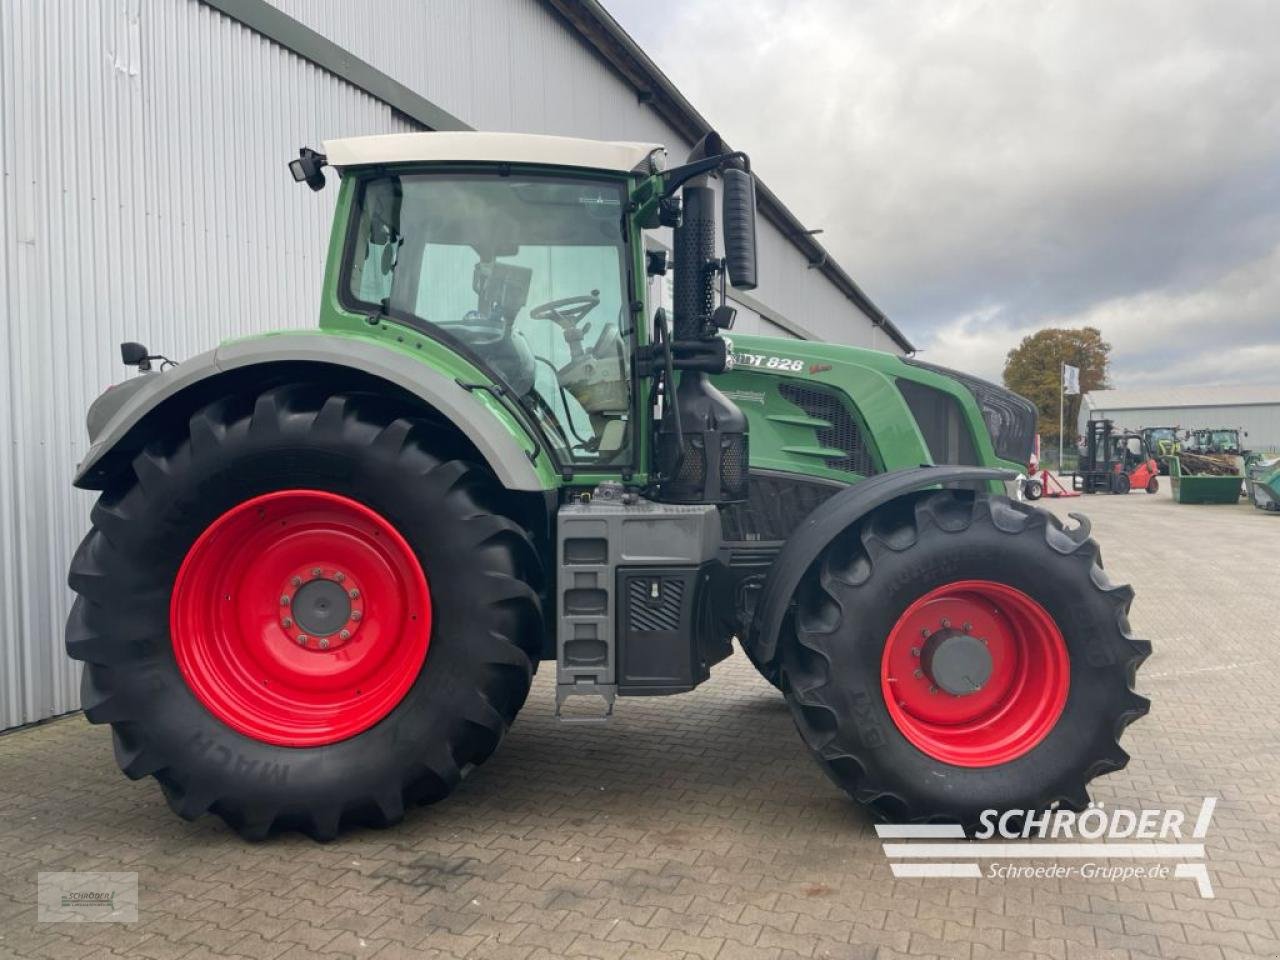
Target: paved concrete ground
697, 826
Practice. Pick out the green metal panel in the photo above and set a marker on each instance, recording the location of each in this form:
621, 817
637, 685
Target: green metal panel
784, 437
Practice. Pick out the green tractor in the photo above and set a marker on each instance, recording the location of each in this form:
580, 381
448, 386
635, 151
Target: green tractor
1163, 443
324, 564
1216, 441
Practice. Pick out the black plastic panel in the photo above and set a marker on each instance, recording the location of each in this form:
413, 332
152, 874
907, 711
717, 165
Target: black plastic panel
776, 504
657, 647
942, 422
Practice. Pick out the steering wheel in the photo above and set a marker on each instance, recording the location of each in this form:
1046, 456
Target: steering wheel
567, 314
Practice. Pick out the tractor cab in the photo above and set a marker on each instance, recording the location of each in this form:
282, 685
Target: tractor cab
1162, 443
526, 275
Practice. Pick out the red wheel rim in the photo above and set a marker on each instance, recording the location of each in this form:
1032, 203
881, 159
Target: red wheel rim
300, 618
1000, 718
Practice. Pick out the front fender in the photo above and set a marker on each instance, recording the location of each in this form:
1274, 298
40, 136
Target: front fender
121, 410
827, 522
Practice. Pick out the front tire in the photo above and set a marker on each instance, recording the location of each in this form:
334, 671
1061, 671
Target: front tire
295, 615
1032, 730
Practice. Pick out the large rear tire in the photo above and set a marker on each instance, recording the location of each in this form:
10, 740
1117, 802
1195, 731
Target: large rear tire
1037, 682
295, 615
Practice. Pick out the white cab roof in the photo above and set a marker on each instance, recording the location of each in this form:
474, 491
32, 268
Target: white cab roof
458, 147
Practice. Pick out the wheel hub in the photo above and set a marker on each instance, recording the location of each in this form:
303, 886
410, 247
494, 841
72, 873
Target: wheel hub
956, 662
320, 607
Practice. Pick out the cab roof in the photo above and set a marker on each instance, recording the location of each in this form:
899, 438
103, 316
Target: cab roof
465, 146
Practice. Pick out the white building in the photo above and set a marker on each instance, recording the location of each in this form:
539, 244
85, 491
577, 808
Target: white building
1255, 410
145, 197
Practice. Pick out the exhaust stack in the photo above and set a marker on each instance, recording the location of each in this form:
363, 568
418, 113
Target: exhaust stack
702, 440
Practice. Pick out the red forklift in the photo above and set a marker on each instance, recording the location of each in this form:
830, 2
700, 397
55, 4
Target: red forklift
1114, 461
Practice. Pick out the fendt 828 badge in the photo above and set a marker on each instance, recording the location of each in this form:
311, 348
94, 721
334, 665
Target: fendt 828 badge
764, 361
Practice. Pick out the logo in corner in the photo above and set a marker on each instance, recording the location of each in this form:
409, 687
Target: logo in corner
1114, 846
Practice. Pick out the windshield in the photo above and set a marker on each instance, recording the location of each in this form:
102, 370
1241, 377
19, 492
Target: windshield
1225, 439
525, 273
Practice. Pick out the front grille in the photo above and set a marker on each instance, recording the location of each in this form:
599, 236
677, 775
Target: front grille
842, 434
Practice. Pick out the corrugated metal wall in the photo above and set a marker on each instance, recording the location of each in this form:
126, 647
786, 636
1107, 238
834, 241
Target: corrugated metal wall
144, 197
1260, 421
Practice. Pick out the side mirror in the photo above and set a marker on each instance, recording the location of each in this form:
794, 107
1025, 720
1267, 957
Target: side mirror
738, 217
309, 168
135, 355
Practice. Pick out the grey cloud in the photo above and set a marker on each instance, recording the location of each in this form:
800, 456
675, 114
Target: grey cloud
985, 168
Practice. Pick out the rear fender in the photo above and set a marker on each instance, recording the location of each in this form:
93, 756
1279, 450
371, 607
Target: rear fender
116, 419
827, 522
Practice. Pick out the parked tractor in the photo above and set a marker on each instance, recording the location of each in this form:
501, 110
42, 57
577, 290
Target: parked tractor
324, 564
1163, 443
1213, 441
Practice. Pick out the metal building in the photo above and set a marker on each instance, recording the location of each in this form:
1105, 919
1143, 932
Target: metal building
1253, 409
145, 197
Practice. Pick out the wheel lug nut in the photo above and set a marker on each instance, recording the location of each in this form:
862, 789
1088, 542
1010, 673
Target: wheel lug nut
933, 689
984, 640
354, 594
296, 581
284, 600
946, 622
316, 571
302, 639
324, 643
925, 633
915, 651
345, 635
356, 614
968, 627
339, 577
919, 674
287, 622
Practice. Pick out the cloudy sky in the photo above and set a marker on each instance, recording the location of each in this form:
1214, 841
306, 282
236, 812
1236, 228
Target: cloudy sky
984, 169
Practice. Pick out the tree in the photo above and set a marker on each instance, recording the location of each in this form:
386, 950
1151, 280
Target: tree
1033, 369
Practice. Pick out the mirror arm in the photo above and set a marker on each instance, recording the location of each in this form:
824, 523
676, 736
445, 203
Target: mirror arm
677, 177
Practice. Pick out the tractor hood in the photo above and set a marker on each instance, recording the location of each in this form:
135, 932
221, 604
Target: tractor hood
957, 418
